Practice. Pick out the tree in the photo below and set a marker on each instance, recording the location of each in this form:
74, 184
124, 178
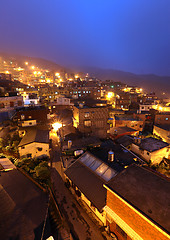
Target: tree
42, 173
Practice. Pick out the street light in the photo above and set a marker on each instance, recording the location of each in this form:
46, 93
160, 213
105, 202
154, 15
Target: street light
56, 126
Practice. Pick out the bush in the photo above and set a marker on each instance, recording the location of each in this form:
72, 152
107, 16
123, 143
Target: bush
42, 173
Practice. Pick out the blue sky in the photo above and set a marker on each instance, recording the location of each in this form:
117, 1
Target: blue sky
129, 35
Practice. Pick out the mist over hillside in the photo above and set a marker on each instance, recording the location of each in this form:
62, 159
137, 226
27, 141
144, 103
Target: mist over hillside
149, 82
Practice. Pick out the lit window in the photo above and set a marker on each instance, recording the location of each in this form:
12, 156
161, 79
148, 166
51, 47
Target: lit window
166, 118
87, 123
86, 114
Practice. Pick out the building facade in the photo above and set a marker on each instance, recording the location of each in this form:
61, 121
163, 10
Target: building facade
91, 120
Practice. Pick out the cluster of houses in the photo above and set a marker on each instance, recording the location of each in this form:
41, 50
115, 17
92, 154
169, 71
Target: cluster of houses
111, 176
130, 200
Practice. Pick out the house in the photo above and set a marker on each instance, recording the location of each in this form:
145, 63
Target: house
117, 132
24, 208
35, 142
125, 141
137, 205
162, 118
124, 120
150, 149
96, 167
38, 113
87, 175
145, 107
162, 130
10, 103
91, 120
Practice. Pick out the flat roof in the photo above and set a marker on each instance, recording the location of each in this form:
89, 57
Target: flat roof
147, 191
122, 130
122, 157
152, 144
163, 126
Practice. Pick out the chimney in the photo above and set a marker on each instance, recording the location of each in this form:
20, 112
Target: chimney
110, 156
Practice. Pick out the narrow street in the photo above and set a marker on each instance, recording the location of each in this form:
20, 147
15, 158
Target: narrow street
81, 225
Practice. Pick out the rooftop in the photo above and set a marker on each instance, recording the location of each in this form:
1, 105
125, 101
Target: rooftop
152, 144
125, 140
23, 207
34, 134
6, 164
126, 117
146, 191
164, 126
89, 174
122, 130
122, 157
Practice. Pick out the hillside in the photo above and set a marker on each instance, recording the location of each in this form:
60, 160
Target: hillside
149, 82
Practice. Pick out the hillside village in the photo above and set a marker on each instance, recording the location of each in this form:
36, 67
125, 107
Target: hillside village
94, 156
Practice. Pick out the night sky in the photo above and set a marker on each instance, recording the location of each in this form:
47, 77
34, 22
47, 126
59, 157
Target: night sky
130, 35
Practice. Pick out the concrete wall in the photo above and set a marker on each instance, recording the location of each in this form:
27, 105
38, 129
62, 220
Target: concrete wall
155, 157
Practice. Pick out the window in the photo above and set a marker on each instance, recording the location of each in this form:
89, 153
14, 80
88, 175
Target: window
11, 104
148, 153
19, 103
86, 114
121, 232
22, 147
142, 107
2, 105
30, 123
39, 149
29, 117
22, 116
87, 123
29, 155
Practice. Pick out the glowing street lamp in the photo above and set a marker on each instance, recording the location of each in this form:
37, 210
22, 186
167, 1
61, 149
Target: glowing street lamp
57, 74
110, 95
56, 126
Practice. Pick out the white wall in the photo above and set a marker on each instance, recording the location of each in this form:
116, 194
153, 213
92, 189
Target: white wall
101, 216
155, 157
32, 148
29, 123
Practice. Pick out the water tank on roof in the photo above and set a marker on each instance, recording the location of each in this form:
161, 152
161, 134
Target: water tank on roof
110, 156
69, 144
78, 152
